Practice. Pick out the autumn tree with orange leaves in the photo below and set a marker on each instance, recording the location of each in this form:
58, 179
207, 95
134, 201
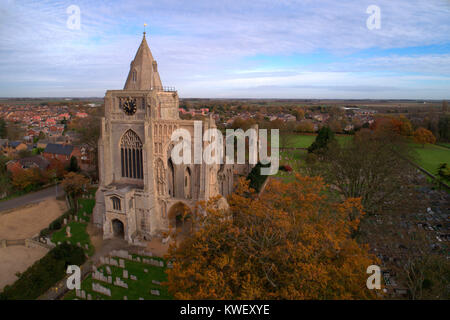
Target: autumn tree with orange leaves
290, 243
423, 136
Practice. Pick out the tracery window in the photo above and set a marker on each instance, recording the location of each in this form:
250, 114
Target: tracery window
131, 156
116, 203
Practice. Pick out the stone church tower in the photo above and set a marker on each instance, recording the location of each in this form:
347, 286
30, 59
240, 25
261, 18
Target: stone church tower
141, 191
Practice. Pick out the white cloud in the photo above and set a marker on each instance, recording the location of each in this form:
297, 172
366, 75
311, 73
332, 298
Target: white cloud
200, 41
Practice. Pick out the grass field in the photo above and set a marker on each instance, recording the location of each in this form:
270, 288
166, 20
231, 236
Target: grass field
443, 144
139, 288
428, 157
431, 156
304, 141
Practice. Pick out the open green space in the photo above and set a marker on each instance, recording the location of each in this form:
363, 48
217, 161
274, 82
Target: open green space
139, 288
78, 228
431, 156
443, 144
85, 208
78, 234
304, 141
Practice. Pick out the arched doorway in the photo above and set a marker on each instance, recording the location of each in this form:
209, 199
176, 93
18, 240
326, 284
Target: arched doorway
118, 228
180, 218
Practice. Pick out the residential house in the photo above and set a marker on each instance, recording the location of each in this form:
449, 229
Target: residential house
61, 152
12, 148
27, 163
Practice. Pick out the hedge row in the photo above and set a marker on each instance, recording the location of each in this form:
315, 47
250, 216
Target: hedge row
44, 273
55, 224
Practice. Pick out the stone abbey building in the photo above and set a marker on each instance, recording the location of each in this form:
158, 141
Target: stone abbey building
141, 191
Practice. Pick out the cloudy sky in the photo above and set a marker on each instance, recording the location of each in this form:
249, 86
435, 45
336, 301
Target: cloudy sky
229, 48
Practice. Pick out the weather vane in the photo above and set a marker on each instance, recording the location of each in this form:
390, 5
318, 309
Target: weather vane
144, 27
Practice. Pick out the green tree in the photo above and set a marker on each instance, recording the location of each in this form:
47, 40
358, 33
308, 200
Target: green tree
444, 172
3, 130
323, 139
73, 166
444, 128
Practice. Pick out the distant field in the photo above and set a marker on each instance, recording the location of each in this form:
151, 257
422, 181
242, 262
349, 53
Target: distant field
431, 156
304, 141
428, 157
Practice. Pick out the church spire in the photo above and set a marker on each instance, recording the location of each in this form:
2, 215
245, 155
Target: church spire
143, 73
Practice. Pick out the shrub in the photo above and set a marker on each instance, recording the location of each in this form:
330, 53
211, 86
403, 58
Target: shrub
44, 232
324, 137
44, 273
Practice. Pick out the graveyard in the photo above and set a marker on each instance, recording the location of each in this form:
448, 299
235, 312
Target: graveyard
124, 276
74, 231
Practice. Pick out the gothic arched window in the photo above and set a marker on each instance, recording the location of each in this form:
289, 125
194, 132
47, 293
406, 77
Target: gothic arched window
116, 203
131, 156
171, 178
134, 76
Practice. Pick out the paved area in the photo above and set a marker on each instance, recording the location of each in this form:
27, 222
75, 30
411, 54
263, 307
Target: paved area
30, 198
17, 259
27, 221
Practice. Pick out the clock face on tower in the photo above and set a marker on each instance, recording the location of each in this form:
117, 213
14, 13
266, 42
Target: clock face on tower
129, 106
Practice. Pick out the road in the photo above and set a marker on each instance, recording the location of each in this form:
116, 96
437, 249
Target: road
30, 198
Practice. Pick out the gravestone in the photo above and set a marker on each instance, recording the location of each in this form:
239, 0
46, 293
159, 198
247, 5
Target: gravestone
125, 274
68, 232
154, 292
101, 289
120, 283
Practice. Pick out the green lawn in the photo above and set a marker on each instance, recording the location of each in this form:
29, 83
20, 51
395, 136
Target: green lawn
304, 141
294, 158
78, 229
79, 234
431, 156
444, 144
85, 206
136, 289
